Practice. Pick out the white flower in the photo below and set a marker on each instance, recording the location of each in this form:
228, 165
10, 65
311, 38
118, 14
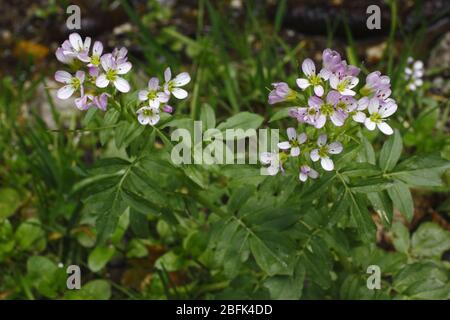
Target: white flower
97, 50
324, 150
72, 83
154, 97
414, 74
309, 69
173, 85
344, 85
294, 142
306, 171
273, 160
148, 115
113, 69
378, 114
76, 47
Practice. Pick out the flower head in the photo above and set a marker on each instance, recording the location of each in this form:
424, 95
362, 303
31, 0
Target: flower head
344, 83
274, 160
148, 115
378, 112
295, 140
72, 83
152, 94
309, 69
322, 153
113, 68
97, 50
172, 86
280, 93
305, 172
75, 47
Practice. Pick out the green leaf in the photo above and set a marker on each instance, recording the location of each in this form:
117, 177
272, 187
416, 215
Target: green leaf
391, 151
272, 252
93, 290
360, 169
242, 120
430, 240
422, 171
401, 239
382, 204
402, 199
239, 197
99, 257
367, 153
371, 185
45, 276
280, 114
361, 216
139, 224
286, 287
208, 117
30, 235
9, 202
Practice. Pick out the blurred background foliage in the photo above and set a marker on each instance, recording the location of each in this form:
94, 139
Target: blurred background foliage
233, 50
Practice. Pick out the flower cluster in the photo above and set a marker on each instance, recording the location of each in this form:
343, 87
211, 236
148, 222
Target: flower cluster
157, 96
334, 105
414, 72
94, 72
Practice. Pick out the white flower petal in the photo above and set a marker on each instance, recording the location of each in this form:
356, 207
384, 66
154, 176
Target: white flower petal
63, 76
322, 140
75, 41
303, 177
387, 109
124, 68
65, 92
314, 155
182, 79
385, 128
327, 164
179, 93
295, 151
308, 67
359, 117
266, 157
370, 125
154, 119
284, 145
272, 170
143, 95
98, 48
302, 83
318, 90
313, 174
291, 133
301, 138
101, 81
144, 120
335, 147
167, 74
374, 105
122, 85
320, 122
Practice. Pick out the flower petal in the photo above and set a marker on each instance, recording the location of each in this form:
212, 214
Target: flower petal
320, 121
101, 81
122, 85
167, 74
291, 133
179, 93
322, 140
359, 117
313, 174
65, 92
335, 147
302, 83
182, 79
153, 84
284, 145
303, 177
374, 105
385, 128
98, 48
124, 68
314, 155
76, 41
143, 95
143, 119
370, 125
327, 164
315, 102
295, 151
318, 90
63, 76
266, 157
388, 109
301, 138
308, 67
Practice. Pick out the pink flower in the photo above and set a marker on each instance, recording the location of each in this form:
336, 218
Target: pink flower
152, 94
324, 151
295, 140
72, 83
112, 71
172, 86
309, 69
280, 93
306, 171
